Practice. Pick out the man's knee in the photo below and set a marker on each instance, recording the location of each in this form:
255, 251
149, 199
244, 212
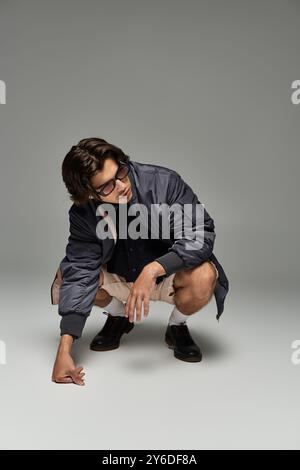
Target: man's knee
203, 276
203, 284
199, 289
102, 298
189, 302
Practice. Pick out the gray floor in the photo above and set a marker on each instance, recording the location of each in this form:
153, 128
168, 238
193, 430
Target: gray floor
245, 393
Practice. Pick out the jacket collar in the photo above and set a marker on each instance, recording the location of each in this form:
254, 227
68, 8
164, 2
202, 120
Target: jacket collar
132, 178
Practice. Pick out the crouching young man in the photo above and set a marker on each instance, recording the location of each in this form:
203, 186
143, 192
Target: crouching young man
106, 264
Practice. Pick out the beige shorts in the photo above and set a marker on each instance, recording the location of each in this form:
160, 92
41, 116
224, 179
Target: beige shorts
118, 287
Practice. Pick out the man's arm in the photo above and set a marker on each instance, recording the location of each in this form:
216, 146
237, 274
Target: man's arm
178, 257
80, 270
80, 275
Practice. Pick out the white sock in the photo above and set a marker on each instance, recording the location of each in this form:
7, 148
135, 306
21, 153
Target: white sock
115, 307
176, 317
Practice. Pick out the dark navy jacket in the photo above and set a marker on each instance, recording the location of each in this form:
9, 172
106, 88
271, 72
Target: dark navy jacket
76, 282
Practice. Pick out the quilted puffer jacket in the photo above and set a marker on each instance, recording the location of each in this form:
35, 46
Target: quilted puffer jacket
76, 281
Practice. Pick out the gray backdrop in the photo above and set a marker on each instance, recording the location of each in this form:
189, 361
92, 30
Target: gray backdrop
203, 87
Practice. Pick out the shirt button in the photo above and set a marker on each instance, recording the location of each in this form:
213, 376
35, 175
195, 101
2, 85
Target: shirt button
131, 249
133, 270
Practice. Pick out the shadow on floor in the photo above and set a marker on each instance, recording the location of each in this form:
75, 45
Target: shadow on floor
151, 336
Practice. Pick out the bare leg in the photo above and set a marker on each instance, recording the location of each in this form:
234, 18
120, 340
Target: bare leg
194, 288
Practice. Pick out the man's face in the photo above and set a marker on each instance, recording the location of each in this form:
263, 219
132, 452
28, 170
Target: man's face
122, 188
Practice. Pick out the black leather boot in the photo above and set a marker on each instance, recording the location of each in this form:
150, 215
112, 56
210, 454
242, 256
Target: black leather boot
109, 337
179, 339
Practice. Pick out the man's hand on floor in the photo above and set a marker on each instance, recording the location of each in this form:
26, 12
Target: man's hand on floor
139, 296
64, 370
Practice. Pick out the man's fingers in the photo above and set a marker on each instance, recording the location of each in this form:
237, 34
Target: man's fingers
77, 380
131, 308
77, 376
63, 380
146, 306
73, 375
139, 305
136, 303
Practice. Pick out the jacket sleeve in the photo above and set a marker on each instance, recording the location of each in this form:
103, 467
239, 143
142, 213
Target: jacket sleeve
180, 257
80, 275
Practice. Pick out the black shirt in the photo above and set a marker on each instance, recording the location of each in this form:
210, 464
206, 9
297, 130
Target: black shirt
130, 256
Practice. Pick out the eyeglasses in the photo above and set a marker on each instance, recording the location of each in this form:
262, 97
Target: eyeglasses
108, 187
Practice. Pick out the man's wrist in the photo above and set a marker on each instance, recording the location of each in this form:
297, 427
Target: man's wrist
155, 269
66, 342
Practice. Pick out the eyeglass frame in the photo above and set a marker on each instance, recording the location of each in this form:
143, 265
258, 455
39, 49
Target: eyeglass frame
121, 164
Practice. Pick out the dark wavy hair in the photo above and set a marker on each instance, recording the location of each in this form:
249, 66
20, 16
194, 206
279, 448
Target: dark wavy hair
83, 161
